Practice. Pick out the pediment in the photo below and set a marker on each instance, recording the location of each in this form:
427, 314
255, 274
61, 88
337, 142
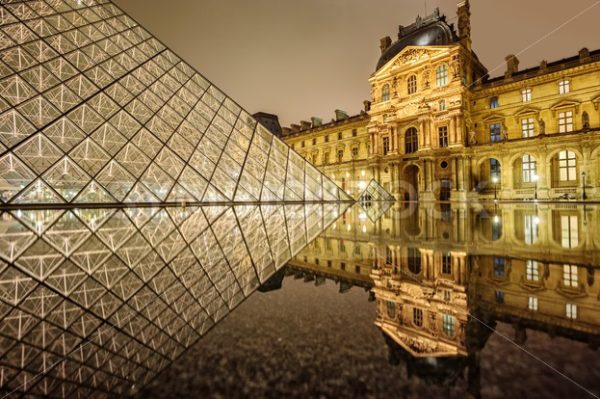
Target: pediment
527, 110
566, 104
412, 55
493, 116
596, 102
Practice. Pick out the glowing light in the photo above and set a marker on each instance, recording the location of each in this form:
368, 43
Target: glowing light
362, 216
495, 179
496, 219
364, 228
534, 178
349, 227
536, 220
362, 173
362, 185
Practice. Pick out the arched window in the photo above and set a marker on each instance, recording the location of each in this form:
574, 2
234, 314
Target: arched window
567, 166
411, 84
414, 260
441, 75
529, 169
411, 140
385, 93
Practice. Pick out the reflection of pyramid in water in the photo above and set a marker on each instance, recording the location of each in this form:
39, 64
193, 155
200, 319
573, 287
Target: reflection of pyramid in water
374, 192
96, 110
98, 301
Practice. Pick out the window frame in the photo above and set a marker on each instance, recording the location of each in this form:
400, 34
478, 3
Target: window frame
526, 95
495, 132
385, 93
441, 75
411, 85
564, 86
528, 127
443, 136
528, 168
565, 121
411, 146
567, 166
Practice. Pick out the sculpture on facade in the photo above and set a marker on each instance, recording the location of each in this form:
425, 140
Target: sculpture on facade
472, 137
542, 126
585, 120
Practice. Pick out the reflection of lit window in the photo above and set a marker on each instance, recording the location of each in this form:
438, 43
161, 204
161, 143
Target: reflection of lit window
448, 325
533, 303
500, 296
533, 272
570, 276
414, 260
386, 145
391, 309
388, 255
447, 263
499, 266
571, 311
418, 317
569, 231
531, 229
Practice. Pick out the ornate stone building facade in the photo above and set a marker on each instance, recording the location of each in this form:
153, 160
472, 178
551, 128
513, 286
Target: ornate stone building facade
440, 128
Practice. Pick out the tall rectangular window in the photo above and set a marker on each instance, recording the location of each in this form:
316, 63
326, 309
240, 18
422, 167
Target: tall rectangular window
442, 105
564, 87
569, 229
441, 75
495, 169
528, 127
418, 317
495, 132
499, 266
570, 276
354, 152
354, 132
447, 263
526, 95
448, 325
533, 271
388, 255
325, 158
340, 135
499, 296
567, 166
565, 122
494, 102
529, 167
327, 138
386, 145
340, 155
571, 311
443, 133
533, 303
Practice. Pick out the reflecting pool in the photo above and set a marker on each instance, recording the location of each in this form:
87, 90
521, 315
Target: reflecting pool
407, 300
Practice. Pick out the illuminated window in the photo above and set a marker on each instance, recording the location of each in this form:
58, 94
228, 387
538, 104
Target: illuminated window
388, 256
495, 132
385, 93
443, 133
567, 166
564, 87
386, 145
448, 325
526, 95
411, 84
411, 140
441, 75
570, 276
528, 127
569, 230
533, 303
447, 263
533, 271
418, 317
571, 311
494, 169
565, 122
529, 167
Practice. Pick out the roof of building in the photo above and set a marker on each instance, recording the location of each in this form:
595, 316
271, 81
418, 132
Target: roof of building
429, 31
351, 119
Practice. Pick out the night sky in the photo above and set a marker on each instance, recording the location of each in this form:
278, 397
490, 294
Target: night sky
303, 58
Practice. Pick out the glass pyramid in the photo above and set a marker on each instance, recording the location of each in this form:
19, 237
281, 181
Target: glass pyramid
374, 192
95, 110
95, 302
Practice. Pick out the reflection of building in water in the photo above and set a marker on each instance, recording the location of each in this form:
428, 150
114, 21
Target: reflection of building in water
431, 267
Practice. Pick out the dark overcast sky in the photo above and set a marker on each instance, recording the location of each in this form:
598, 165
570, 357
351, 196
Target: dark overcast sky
303, 58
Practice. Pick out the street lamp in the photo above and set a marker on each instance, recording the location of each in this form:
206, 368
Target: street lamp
495, 181
583, 181
535, 179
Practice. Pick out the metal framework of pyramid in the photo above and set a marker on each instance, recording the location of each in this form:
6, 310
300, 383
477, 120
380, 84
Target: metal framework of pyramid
95, 110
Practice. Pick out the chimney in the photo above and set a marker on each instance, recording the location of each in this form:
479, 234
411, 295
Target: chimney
584, 55
305, 125
367, 105
385, 44
286, 131
512, 65
340, 115
295, 128
464, 23
543, 66
316, 121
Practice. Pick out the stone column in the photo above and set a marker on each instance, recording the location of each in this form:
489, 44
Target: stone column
453, 130
461, 174
453, 168
421, 134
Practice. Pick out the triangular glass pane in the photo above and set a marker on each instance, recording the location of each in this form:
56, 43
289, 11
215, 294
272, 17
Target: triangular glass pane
39, 192
66, 178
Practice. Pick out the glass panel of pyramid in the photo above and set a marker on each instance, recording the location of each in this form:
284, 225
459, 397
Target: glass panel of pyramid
374, 192
94, 109
97, 301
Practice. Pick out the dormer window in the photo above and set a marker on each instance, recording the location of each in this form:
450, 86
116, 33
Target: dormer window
411, 84
385, 93
441, 75
564, 87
